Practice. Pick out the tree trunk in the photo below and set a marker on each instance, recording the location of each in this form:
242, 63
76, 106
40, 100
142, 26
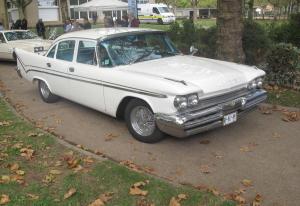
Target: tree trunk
229, 31
21, 12
3, 14
251, 9
64, 9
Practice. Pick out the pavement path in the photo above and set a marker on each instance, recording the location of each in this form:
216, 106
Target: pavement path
272, 164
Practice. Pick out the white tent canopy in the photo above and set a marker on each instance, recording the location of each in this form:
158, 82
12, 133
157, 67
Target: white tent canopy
102, 5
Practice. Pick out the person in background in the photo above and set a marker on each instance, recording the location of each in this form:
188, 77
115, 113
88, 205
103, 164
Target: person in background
40, 28
133, 22
76, 26
1, 26
24, 24
67, 26
108, 22
18, 23
124, 21
94, 18
86, 24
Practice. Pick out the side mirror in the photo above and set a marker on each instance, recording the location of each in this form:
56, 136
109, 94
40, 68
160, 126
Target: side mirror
193, 50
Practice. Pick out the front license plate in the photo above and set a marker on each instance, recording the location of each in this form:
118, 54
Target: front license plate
230, 118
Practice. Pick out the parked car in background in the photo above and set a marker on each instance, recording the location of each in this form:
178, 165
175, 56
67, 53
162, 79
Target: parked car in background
139, 75
23, 39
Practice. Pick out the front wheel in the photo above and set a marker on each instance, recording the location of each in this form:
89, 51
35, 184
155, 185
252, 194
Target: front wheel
46, 94
141, 122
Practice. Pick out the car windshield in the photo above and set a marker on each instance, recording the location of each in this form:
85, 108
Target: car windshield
19, 35
163, 10
136, 48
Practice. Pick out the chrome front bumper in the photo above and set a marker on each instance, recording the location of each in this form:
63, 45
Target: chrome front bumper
203, 119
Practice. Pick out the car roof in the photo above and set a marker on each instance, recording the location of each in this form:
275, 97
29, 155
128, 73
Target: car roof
99, 33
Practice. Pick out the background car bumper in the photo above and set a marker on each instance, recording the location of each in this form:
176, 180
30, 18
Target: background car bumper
200, 120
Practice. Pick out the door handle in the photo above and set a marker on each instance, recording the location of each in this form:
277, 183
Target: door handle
71, 69
48, 64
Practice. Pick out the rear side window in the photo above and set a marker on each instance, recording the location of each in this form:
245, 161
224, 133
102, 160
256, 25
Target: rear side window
52, 52
65, 50
87, 53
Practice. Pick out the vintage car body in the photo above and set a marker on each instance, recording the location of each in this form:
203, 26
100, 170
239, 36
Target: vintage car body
179, 95
28, 43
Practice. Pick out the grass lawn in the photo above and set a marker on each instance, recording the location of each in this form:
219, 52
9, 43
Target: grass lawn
36, 170
284, 97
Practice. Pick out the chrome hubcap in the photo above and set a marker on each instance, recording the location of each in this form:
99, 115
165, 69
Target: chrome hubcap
142, 121
45, 90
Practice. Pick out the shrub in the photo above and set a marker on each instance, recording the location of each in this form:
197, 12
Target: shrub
283, 64
256, 43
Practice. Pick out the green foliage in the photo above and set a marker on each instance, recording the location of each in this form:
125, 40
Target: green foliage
283, 63
256, 42
286, 32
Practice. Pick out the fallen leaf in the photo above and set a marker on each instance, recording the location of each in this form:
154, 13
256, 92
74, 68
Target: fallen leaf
135, 189
265, 110
239, 199
55, 172
5, 123
32, 196
110, 136
14, 167
182, 196
20, 172
291, 116
106, 196
174, 202
88, 160
27, 153
4, 199
246, 182
205, 169
78, 168
213, 191
48, 179
5, 178
97, 202
32, 134
58, 163
70, 193
205, 141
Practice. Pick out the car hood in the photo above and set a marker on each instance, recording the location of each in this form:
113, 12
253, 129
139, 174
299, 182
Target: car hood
29, 44
207, 75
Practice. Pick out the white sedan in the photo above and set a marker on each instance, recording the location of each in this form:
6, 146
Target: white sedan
139, 75
22, 39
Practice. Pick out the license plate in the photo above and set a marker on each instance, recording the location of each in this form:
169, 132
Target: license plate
229, 118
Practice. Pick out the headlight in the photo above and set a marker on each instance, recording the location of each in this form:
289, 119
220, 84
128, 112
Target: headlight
256, 83
38, 49
183, 102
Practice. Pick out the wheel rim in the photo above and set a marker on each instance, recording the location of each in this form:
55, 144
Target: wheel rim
142, 121
44, 90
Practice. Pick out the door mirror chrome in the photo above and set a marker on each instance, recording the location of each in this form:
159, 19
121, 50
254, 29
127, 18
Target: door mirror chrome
193, 50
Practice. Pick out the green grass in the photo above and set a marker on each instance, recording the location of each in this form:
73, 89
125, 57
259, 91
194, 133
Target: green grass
98, 178
284, 97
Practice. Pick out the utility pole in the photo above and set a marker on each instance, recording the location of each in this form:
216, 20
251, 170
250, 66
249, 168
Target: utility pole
3, 14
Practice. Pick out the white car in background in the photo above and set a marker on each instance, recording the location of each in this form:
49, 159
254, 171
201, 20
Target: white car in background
139, 75
22, 39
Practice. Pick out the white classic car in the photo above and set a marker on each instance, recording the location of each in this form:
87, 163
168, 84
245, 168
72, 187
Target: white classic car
138, 75
22, 39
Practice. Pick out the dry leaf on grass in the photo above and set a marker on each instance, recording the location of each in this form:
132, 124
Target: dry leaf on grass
257, 200
265, 110
27, 153
4, 199
246, 182
70, 193
88, 160
55, 172
135, 189
291, 116
213, 191
48, 179
5, 123
20, 172
32, 196
14, 167
174, 202
103, 198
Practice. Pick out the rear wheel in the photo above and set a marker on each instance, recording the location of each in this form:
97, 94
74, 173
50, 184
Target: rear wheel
46, 94
141, 122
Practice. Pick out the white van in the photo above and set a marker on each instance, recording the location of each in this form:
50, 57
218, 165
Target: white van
155, 13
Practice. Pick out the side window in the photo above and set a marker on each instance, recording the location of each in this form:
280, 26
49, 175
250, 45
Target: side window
2, 40
52, 52
104, 57
155, 10
65, 50
87, 53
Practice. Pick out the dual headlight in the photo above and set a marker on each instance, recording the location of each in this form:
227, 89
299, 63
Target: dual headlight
38, 49
255, 84
185, 101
